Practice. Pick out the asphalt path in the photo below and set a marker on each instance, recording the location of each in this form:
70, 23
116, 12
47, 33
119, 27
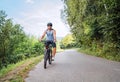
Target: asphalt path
72, 66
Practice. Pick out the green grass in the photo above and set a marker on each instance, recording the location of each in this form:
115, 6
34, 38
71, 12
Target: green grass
86, 51
10, 67
17, 79
22, 73
100, 54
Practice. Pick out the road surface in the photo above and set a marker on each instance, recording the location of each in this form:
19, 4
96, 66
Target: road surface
72, 66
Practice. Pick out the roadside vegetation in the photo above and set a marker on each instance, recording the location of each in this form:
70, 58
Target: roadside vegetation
15, 45
18, 51
19, 71
95, 26
68, 42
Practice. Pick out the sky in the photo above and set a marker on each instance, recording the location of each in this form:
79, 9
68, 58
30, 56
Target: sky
33, 15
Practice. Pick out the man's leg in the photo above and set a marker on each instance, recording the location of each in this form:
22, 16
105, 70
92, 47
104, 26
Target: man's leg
54, 52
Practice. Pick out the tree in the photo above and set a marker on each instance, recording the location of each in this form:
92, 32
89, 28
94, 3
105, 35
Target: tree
67, 41
15, 45
95, 25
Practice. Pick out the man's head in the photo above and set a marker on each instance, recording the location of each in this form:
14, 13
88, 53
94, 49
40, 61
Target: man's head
49, 26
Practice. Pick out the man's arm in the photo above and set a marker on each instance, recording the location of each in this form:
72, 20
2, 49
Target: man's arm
54, 34
42, 36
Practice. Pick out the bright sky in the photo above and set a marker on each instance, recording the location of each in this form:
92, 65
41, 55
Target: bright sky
33, 15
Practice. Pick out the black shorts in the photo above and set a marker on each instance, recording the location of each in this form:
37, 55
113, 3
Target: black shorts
52, 43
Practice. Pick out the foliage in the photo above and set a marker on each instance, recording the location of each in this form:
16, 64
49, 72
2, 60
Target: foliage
22, 68
67, 42
15, 45
95, 25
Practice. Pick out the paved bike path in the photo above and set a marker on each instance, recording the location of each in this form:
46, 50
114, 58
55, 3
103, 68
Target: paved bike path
71, 66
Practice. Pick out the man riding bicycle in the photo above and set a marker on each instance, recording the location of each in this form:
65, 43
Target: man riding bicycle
50, 38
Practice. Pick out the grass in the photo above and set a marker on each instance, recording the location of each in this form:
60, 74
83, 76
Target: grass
86, 51
109, 57
17, 72
20, 70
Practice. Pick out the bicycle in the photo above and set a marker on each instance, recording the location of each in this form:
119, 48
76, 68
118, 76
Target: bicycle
47, 53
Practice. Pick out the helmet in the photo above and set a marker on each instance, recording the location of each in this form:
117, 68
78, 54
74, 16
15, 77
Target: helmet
49, 24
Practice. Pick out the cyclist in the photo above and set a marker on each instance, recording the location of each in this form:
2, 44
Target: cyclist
50, 38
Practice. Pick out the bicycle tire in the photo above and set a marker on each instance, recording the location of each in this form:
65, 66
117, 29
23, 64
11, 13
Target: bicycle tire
45, 58
50, 56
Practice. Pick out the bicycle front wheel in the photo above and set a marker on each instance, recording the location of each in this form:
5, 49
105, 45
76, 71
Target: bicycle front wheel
45, 58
